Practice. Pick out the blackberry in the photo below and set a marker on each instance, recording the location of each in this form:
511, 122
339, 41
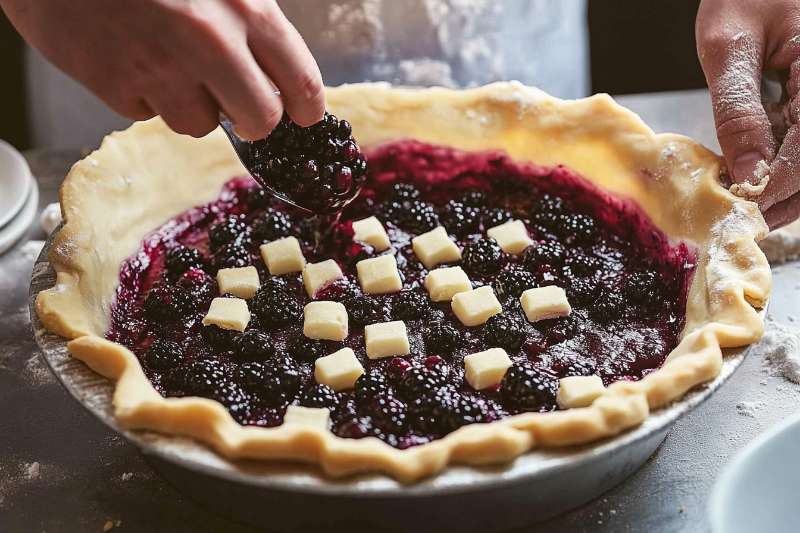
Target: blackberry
320, 395
496, 216
272, 225
397, 368
483, 257
452, 410
419, 382
388, 413
503, 331
257, 197
275, 308
642, 287
583, 291
306, 350
410, 305
288, 374
474, 199
182, 258
441, 337
338, 291
232, 255
253, 345
205, 377
544, 252
262, 381
608, 307
460, 219
218, 338
370, 386
319, 167
528, 389
420, 217
356, 428
365, 310
548, 203
582, 265
226, 231
575, 366
565, 328
199, 286
578, 227
163, 355
513, 282
402, 192
166, 303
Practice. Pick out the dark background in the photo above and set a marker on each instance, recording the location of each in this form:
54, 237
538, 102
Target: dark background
636, 46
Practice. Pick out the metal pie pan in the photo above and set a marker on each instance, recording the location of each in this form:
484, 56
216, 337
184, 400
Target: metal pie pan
292, 497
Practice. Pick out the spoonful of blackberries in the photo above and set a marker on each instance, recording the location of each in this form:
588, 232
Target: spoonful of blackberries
319, 168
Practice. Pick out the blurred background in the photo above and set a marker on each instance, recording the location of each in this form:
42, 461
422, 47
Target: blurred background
569, 48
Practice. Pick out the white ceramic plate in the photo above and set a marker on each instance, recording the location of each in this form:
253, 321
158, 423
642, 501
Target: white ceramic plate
15, 182
760, 489
16, 228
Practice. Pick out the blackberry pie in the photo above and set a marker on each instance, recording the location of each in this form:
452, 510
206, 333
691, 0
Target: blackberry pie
517, 271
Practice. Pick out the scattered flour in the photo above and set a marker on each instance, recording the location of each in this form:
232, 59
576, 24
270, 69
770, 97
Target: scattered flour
31, 470
127, 476
780, 348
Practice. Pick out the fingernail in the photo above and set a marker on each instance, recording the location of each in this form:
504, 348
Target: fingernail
744, 168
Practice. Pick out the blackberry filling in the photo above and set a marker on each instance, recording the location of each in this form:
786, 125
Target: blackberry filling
625, 281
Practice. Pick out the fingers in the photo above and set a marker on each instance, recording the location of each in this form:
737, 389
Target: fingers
784, 172
783, 213
187, 110
284, 56
732, 62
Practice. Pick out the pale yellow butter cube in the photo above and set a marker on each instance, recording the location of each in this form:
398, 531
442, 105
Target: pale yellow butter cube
228, 313
579, 391
435, 247
325, 320
371, 231
242, 282
475, 307
512, 236
444, 283
486, 369
379, 275
317, 417
339, 370
542, 303
386, 339
283, 256
318, 275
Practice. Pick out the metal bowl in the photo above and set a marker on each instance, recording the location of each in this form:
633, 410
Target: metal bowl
288, 497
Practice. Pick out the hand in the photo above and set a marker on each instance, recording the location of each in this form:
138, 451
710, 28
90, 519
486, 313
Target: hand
185, 60
737, 41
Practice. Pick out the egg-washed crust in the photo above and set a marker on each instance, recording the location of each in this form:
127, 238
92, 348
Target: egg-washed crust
141, 177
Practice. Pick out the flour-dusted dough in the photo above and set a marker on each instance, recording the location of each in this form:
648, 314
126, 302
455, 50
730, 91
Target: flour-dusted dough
782, 245
147, 174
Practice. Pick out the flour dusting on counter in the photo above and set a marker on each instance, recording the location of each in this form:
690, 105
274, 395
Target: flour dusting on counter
780, 349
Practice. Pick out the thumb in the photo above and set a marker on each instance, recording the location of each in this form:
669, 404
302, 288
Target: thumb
733, 64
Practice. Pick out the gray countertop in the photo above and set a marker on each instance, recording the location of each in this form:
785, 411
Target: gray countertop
61, 470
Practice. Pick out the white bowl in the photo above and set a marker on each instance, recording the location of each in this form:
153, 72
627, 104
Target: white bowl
760, 489
15, 182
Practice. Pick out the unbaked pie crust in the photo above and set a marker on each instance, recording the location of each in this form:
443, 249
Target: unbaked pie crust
141, 177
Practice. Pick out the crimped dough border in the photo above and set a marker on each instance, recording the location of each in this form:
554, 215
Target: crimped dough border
145, 175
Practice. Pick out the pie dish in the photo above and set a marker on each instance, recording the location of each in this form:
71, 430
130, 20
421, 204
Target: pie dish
147, 183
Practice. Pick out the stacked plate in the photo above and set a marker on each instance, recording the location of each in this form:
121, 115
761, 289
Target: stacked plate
19, 196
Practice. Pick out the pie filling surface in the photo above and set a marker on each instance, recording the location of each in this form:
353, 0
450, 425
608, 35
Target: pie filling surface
626, 284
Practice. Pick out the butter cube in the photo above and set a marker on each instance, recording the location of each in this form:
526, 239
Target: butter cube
283, 256
444, 283
579, 391
325, 320
379, 275
386, 339
241, 282
545, 302
435, 247
511, 236
475, 307
228, 313
486, 369
339, 370
318, 275
371, 231
318, 417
